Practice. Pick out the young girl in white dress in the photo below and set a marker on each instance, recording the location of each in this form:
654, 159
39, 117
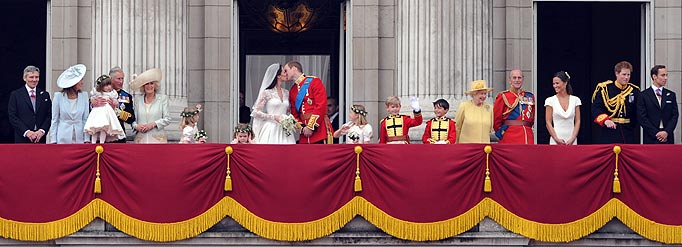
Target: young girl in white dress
357, 131
103, 120
562, 115
188, 125
243, 134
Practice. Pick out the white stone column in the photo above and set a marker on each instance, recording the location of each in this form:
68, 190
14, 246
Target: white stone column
442, 45
139, 35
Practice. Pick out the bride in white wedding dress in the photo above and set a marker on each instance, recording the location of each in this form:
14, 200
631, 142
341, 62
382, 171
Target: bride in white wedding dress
271, 106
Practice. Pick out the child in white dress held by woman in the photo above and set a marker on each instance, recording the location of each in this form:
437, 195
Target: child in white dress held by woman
188, 125
357, 131
103, 120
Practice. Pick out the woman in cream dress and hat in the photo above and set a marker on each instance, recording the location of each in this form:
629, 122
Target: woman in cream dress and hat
151, 112
70, 108
474, 118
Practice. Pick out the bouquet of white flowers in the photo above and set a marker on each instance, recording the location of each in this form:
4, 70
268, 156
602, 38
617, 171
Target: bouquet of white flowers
200, 134
288, 124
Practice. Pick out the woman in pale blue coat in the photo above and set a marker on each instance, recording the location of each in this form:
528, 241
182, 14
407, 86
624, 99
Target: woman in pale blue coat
70, 108
151, 111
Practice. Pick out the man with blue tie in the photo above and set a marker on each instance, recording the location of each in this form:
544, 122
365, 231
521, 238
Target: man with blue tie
30, 109
657, 109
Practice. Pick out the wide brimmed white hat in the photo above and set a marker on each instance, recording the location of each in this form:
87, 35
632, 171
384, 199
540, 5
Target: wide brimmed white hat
477, 86
71, 76
147, 77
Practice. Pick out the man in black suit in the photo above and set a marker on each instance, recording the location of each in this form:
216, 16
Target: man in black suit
30, 109
657, 109
333, 113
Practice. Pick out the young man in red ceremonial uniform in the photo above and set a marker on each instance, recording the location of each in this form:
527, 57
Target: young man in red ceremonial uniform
514, 111
308, 100
440, 130
394, 128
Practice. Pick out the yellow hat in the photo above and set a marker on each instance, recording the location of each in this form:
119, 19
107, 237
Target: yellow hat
477, 86
147, 77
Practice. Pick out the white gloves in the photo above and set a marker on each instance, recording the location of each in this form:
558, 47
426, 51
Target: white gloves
414, 103
441, 142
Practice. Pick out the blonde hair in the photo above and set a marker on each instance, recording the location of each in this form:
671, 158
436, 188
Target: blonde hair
188, 116
392, 100
362, 114
243, 128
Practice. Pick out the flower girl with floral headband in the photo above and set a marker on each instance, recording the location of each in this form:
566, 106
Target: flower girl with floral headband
357, 131
243, 134
188, 125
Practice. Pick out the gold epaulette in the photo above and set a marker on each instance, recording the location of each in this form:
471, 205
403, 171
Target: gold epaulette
633, 85
601, 86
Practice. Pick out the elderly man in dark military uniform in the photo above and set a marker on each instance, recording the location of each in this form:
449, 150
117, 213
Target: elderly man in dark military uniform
126, 113
614, 107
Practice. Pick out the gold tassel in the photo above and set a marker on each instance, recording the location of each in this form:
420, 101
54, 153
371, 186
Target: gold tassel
616, 181
616, 186
228, 183
98, 182
358, 182
228, 179
487, 184
98, 186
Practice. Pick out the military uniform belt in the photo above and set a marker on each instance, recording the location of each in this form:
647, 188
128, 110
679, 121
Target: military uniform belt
621, 120
517, 123
396, 138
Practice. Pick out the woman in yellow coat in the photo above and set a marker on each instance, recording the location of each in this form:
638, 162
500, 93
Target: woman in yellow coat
474, 118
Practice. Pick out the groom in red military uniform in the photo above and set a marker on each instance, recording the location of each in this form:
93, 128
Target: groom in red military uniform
308, 99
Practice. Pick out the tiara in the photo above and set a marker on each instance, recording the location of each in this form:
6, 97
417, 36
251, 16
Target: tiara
358, 111
246, 129
101, 79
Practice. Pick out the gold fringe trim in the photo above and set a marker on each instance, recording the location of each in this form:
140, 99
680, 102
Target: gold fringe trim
162, 232
48, 230
292, 231
669, 234
564, 232
421, 231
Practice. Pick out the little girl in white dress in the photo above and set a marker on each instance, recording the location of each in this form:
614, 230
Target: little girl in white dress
188, 125
357, 131
103, 120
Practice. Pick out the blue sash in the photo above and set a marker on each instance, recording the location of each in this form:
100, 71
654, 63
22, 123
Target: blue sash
302, 92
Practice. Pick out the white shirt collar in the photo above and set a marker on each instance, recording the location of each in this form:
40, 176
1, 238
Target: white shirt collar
28, 90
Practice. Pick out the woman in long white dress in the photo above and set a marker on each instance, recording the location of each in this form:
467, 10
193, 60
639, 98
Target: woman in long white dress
272, 106
562, 115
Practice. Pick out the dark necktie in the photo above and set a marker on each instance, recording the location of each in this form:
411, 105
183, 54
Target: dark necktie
33, 99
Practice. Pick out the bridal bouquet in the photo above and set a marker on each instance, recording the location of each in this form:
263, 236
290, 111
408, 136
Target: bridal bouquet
201, 135
288, 124
354, 136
